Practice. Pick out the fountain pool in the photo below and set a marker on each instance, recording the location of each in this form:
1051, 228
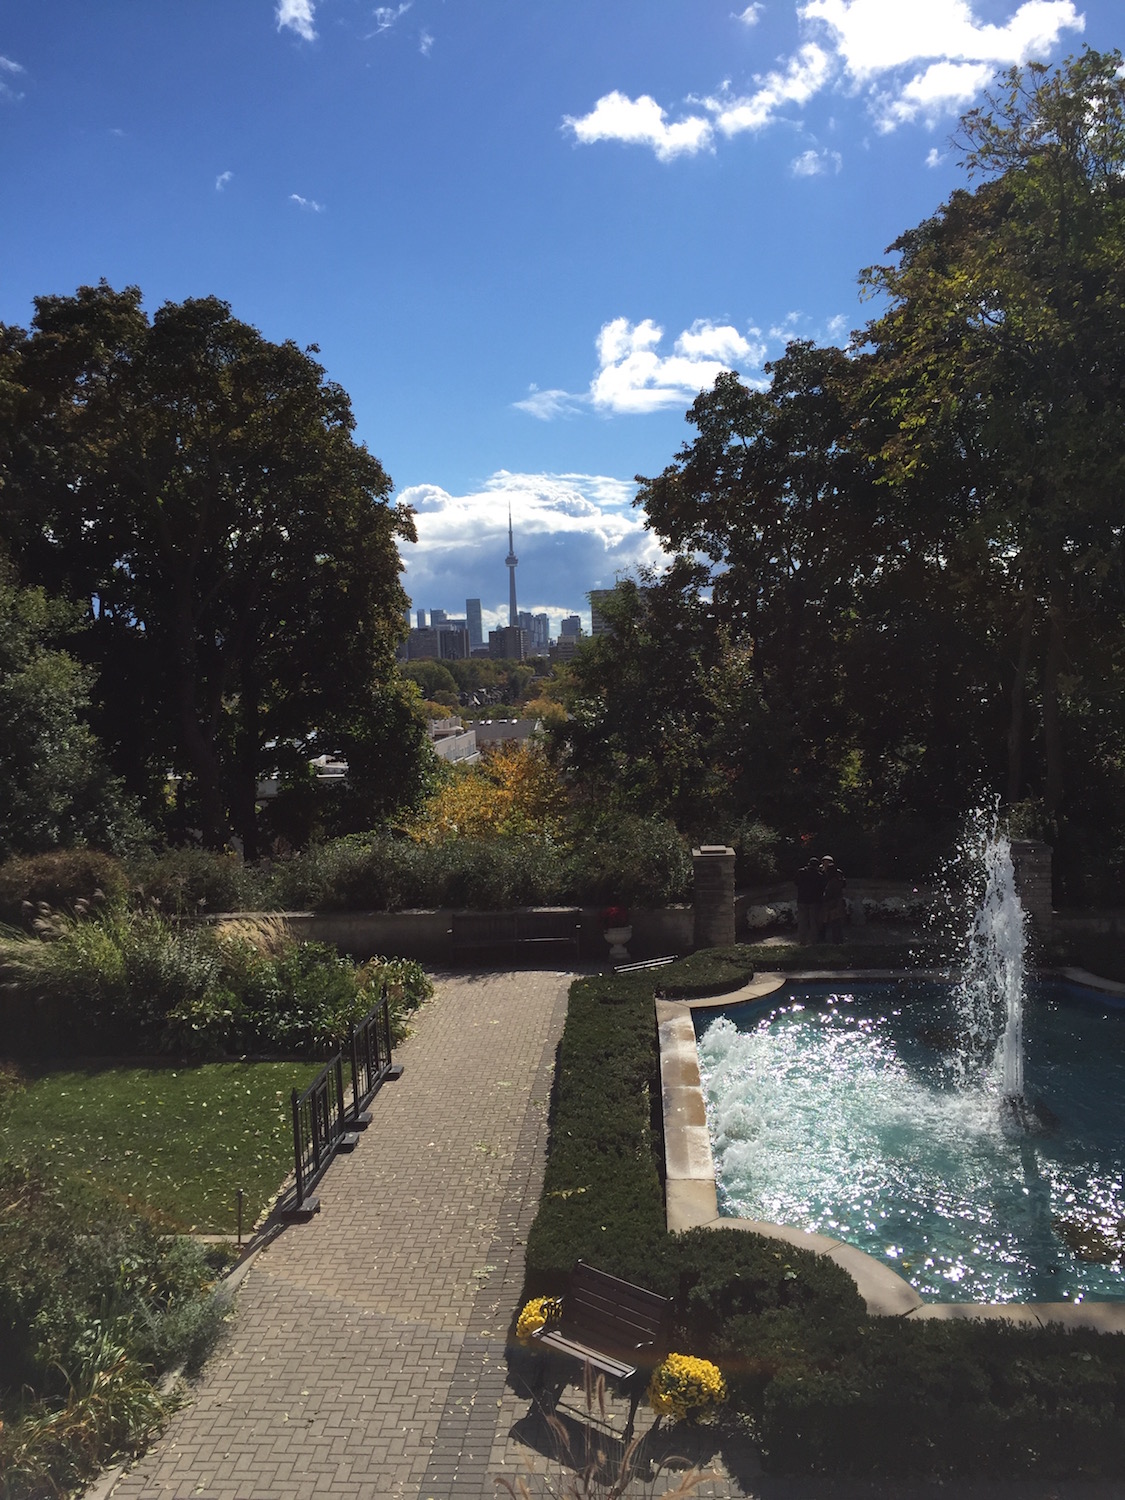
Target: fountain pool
843, 1108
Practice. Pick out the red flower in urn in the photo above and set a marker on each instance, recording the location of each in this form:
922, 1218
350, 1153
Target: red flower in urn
615, 916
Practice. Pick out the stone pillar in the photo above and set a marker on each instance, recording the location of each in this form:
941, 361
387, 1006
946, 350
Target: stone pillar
713, 865
1032, 862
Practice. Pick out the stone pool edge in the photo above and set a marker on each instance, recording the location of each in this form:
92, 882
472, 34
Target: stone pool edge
691, 1198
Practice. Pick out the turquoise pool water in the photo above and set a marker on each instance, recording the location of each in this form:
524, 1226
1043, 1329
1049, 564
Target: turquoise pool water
842, 1111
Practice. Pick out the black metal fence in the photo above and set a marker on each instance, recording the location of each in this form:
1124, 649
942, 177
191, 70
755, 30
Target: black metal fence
328, 1114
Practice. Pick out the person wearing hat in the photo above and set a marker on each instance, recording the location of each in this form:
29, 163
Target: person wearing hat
833, 910
810, 894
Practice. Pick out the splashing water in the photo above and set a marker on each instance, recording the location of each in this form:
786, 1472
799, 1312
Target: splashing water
990, 994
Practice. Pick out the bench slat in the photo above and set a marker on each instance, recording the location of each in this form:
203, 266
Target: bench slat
614, 1368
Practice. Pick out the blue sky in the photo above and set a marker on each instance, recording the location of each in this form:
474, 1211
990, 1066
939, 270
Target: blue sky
523, 233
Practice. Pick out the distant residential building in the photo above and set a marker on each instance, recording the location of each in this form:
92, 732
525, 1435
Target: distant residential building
565, 648
447, 643
453, 742
509, 643
492, 732
472, 616
571, 626
437, 617
599, 625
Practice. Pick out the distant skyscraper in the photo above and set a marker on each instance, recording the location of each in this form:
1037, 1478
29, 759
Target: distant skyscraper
421, 619
438, 617
571, 626
598, 622
510, 563
476, 629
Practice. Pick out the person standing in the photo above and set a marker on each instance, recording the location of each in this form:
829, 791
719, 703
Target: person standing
810, 893
833, 909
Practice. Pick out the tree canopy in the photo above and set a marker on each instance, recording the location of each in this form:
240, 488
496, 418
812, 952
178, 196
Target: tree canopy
198, 489
915, 545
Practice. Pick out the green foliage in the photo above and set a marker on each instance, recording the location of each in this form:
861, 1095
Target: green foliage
55, 786
59, 879
94, 1307
190, 881
625, 858
944, 1398
136, 982
239, 570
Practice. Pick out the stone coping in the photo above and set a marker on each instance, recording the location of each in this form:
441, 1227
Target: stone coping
691, 1196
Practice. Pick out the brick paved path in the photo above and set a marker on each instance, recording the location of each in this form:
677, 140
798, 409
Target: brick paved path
367, 1354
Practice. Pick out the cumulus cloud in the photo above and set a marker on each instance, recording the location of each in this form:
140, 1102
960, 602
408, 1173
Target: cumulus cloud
309, 205
222, 180
913, 63
573, 533
298, 16
641, 122
934, 157
873, 36
634, 377
425, 43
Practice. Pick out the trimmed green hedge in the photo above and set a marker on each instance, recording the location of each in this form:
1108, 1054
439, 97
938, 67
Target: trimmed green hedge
824, 1388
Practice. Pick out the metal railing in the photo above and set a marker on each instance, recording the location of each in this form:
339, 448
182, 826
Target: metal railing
326, 1116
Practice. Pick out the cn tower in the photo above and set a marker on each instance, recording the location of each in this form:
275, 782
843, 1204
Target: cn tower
510, 561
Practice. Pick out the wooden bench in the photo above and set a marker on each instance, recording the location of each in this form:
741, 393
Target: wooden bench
612, 1326
479, 931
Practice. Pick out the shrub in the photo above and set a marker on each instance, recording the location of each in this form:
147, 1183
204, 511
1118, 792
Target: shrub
631, 860
186, 882
94, 1308
60, 879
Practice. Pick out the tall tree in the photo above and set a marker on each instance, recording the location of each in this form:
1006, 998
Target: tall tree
1000, 364
200, 488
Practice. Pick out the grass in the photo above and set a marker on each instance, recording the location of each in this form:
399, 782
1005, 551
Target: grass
173, 1143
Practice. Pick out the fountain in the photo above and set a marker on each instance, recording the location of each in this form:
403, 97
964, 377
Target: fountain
990, 991
897, 1116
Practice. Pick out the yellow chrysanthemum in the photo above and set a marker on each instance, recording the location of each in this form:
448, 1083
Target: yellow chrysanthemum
684, 1387
539, 1313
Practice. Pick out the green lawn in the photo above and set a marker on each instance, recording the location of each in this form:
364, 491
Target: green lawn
174, 1142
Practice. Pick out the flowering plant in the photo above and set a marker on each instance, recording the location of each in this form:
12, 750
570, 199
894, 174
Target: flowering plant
686, 1388
615, 916
539, 1313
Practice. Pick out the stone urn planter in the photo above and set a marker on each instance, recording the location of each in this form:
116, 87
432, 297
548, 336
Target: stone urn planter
618, 931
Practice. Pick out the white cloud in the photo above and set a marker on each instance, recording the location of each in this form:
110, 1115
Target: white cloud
813, 163
8, 93
915, 60
873, 36
751, 15
386, 15
573, 533
310, 205
298, 16
934, 157
803, 76
633, 377
939, 90
425, 43
222, 180
641, 122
